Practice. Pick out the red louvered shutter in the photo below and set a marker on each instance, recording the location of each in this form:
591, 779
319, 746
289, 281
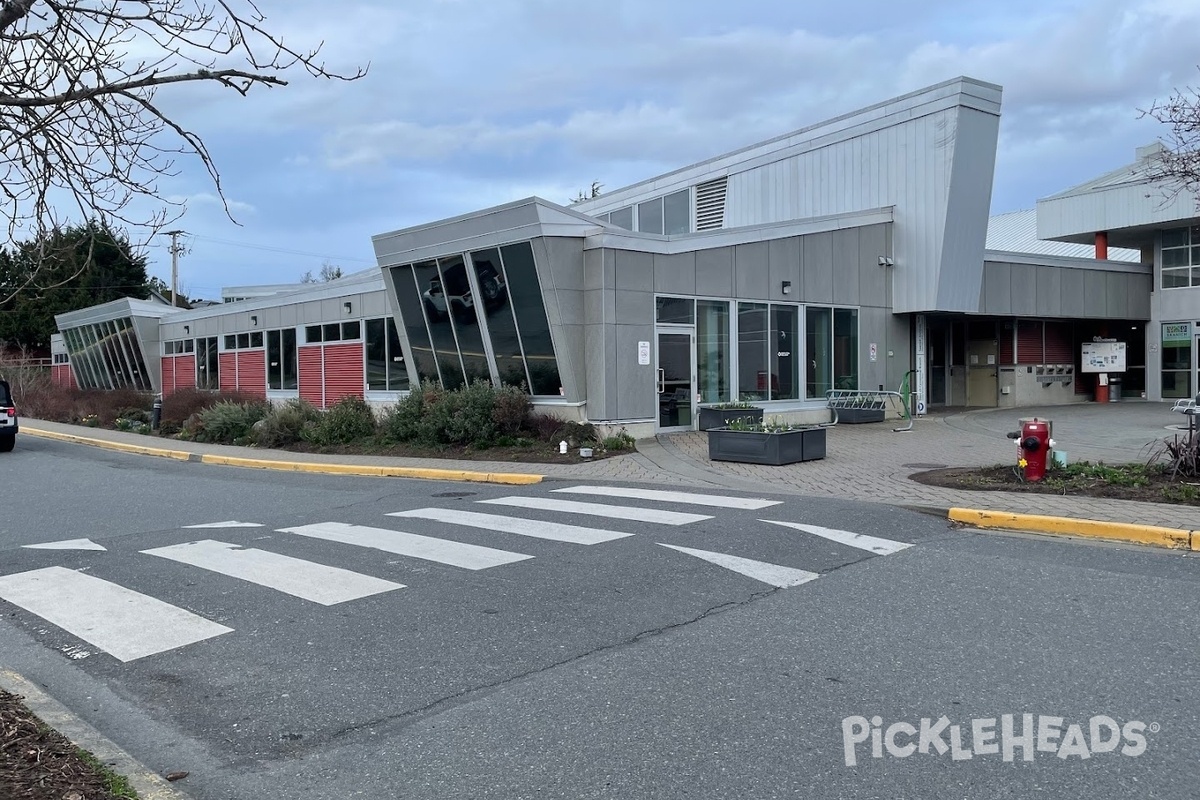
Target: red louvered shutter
227, 367
1005, 344
1058, 343
1029, 342
252, 372
343, 371
185, 372
168, 376
312, 383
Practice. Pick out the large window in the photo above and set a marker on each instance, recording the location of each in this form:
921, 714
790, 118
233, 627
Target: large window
441, 306
784, 352
1181, 257
712, 350
754, 378
386, 371
208, 364
1176, 360
819, 325
108, 356
845, 348
281, 359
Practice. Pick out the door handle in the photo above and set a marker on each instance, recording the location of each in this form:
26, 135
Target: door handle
662, 381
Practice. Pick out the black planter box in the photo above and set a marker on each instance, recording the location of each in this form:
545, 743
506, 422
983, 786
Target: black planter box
720, 417
772, 449
857, 416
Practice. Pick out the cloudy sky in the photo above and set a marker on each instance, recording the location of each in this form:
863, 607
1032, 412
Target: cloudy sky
471, 103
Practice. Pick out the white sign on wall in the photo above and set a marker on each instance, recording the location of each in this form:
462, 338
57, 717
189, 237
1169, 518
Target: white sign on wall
643, 353
1104, 357
874, 351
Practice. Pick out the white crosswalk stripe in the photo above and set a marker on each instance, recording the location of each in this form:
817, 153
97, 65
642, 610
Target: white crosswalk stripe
554, 531
427, 548
126, 624
772, 574
297, 577
600, 510
874, 544
663, 496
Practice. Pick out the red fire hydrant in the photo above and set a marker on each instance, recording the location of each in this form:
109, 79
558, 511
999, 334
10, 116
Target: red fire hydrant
1033, 448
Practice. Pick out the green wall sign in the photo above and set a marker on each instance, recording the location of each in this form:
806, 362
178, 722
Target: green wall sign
1173, 332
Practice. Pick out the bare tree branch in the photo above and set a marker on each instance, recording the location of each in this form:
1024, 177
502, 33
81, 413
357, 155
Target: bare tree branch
81, 135
1177, 165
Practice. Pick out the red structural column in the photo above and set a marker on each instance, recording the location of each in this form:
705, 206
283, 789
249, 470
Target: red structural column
1102, 246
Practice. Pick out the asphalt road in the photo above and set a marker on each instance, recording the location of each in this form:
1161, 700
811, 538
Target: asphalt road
622, 668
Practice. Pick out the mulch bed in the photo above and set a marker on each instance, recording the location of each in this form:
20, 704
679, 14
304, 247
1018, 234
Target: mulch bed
37, 763
1159, 489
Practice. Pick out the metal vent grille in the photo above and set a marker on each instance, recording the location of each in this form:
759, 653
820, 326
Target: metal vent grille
710, 205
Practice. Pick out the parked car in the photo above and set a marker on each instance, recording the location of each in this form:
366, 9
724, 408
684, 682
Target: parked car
438, 305
8, 419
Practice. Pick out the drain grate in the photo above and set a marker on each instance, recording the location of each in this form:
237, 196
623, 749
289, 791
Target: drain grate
454, 494
925, 466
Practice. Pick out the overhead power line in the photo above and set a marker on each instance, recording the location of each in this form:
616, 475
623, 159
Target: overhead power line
280, 250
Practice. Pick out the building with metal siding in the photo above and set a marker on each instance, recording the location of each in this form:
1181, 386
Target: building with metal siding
849, 254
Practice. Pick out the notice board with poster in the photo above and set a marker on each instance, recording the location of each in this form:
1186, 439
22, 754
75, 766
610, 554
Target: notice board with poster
1104, 356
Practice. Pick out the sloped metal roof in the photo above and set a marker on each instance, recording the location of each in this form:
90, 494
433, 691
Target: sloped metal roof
1016, 232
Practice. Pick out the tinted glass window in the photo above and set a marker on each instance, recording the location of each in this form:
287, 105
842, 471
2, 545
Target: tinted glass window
350, 330
785, 352
679, 310
331, 332
754, 381
528, 307
650, 216
375, 351
845, 348
410, 301
437, 309
461, 304
820, 351
622, 218
274, 365
677, 212
489, 276
290, 376
397, 370
312, 334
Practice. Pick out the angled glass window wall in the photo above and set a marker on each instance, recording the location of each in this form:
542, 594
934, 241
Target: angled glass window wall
482, 319
107, 355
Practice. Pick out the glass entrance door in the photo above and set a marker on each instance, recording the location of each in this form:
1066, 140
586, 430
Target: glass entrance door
676, 384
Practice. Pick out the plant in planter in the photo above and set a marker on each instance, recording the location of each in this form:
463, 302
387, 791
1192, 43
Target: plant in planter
718, 414
771, 443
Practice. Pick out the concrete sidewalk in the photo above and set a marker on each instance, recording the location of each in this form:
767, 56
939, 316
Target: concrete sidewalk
863, 462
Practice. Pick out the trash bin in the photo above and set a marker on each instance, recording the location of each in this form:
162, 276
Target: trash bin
1114, 388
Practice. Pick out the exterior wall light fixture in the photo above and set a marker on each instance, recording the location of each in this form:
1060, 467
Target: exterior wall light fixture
885, 261
187, 330
787, 287
254, 320
346, 306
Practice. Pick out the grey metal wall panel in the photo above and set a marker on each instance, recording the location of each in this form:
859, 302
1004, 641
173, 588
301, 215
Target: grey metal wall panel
634, 271
898, 343
714, 272
783, 256
570, 306
1074, 303
873, 280
1140, 287
600, 400
965, 208
675, 274
1116, 295
1095, 298
599, 306
1049, 292
593, 270
818, 269
569, 347
997, 289
847, 267
636, 397
873, 326
1024, 289
565, 261
634, 307
751, 270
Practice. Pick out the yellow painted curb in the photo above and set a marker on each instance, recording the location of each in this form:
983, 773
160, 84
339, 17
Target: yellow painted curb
1174, 538
514, 478
178, 455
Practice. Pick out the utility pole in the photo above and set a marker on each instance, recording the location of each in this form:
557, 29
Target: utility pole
175, 251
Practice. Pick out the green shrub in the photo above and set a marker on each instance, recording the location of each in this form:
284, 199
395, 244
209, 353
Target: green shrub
285, 424
348, 420
543, 427
511, 410
577, 434
179, 406
226, 422
622, 441
405, 421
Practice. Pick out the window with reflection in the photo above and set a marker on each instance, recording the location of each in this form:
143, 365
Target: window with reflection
460, 302
819, 329
281, 359
845, 348
650, 216
784, 352
506, 345
677, 212
674, 310
386, 371
529, 309
754, 377
409, 300
712, 350
622, 218
208, 364
437, 308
